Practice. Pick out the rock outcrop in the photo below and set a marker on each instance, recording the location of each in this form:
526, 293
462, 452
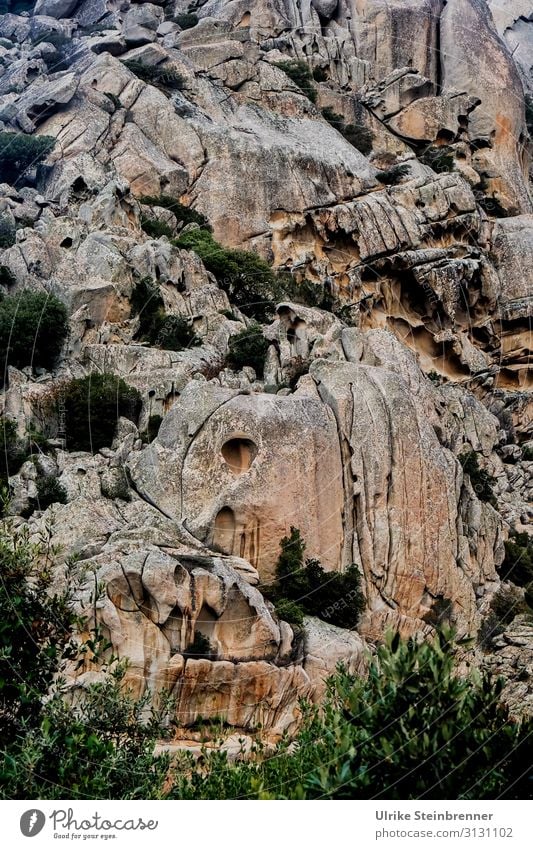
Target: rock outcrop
376, 156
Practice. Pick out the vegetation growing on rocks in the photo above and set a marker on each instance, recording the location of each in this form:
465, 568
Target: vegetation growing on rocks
161, 76
33, 328
175, 333
12, 449
518, 562
444, 730
171, 332
305, 587
93, 405
155, 229
358, 135
248, 280
299, 72
481, 480
248, 348
440, 158
186, 20
184, 214
49, 491
20, 152
8, 232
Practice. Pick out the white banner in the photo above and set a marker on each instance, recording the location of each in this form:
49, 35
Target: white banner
256, 825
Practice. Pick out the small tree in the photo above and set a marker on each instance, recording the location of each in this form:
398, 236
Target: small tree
93, 405
20, 152
248, 280
482, 482
248, 348
200, 648
176, 334
34, 629
334, 597
155, 229
49, 491
300, 73
359, 137
8, 232
33, 327
12, 450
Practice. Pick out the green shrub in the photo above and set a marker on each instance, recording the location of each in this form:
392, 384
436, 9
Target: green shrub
184, 214
171, 332
359, 137
155, 228
248, 348
152, 429
518, 562
147, 303
527, 454
49, 491
200, 648
176, 334
187, 20
320, 75
8, 232
37, 441
392, 176
506, 603
93, 405
162, 77
305, 292
109, 730
7, 278
290, 611
114, 99
20, 152
482, 482
333, 117
13, 451
334, 597
413, 728
299, 72
248, 280
34, 628
33, 327
438, 157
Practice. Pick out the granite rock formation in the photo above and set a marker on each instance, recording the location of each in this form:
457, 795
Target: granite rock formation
394, 176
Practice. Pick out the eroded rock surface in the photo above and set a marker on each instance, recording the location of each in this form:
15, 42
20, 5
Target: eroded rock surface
394, 179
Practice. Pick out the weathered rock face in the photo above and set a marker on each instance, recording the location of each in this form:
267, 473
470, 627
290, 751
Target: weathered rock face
394, 178
468, 35
234, 468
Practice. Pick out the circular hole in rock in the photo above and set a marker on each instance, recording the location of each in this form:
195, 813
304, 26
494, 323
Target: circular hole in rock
239, 453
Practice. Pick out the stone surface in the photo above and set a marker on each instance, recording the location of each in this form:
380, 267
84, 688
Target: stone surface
352, 433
